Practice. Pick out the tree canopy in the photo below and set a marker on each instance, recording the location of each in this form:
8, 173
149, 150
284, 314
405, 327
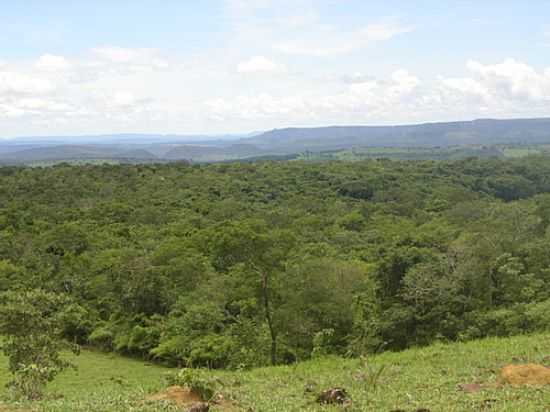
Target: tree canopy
245, 264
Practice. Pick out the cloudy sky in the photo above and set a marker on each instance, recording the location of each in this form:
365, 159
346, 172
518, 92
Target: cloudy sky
216, 66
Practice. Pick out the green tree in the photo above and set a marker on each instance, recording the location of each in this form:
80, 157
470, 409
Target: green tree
262, 253
32, 324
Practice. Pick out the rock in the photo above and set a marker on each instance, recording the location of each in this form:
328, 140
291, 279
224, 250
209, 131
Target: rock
333, 396
199, 407
309, 387
470, 387
522, 375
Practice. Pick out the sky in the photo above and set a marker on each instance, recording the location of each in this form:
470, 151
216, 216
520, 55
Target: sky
75, 67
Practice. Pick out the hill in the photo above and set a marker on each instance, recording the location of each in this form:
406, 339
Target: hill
476, 138
476, 132
69, 152
417, 378
203, 153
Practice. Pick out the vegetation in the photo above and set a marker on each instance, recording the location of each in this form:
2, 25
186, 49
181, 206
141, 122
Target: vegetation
242, 265
428, 153
98, 382
32, 325
417, 378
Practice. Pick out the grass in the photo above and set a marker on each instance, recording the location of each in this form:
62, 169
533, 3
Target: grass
416, 378
515, 152
101, 382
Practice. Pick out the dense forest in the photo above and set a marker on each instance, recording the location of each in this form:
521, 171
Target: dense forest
244, 264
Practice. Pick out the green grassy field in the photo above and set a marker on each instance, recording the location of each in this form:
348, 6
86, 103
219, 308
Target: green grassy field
417, 378
433, 153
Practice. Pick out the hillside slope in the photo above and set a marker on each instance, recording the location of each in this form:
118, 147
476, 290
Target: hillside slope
417, 378
477, 132
278, 142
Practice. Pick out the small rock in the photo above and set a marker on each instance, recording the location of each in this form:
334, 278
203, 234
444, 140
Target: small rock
199, 407
333, 396
470, 387
522, 375
309, 387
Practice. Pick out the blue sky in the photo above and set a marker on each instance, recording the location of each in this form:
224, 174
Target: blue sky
83, 67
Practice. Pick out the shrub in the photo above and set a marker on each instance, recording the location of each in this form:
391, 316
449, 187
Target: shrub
202, 384
32, 325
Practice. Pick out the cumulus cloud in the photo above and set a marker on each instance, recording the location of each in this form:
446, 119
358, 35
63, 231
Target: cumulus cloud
356, 77
14, 107
260, 64
19, 83
508, 88
115, 89
513, 79
85, 89
331, 42
365, 97
50, 62
131, 57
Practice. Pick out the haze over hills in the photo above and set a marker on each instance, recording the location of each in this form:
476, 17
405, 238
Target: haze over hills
278, 142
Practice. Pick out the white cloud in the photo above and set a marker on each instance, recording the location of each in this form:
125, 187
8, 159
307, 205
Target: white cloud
131, 57
122, 91
123, 99
403, 83
260, 64
505, 89
367, 97
50, 62
331, 42
19, 83
513, 79
117, 54
356, 77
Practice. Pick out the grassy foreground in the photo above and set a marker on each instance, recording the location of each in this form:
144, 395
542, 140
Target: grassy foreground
418, 378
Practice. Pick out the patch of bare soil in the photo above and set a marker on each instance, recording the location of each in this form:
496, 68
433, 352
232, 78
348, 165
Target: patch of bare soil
191, 401
5, 408
470, 387
530, 374
176, 394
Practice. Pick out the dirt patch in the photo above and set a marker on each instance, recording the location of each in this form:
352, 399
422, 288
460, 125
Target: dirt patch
6, 408
530, 374
191, 401
470, 387
176, 394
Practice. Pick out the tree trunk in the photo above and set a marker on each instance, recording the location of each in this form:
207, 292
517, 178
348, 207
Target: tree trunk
265, 292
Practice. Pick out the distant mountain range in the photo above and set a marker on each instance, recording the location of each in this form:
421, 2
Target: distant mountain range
274, 143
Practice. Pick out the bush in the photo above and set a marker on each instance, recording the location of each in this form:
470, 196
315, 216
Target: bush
204, 385
102, 337
32, 325
538, 316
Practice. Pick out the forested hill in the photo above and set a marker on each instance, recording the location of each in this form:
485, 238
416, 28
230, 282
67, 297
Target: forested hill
244, 264
476, 132
481, 138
